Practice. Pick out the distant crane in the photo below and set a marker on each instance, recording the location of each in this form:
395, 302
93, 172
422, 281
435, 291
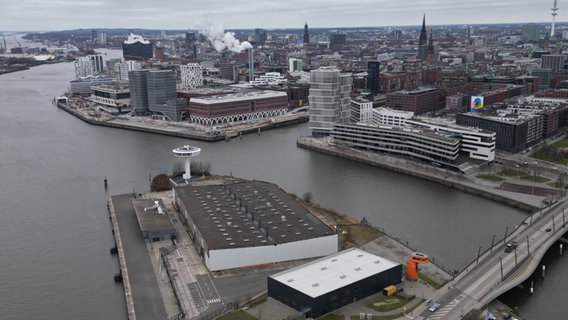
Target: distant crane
18, 42
412, 268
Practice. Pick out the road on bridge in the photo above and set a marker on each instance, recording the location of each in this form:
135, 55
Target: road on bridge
497, 271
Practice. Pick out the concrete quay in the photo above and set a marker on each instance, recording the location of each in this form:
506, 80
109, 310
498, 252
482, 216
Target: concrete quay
478, 187
174, 130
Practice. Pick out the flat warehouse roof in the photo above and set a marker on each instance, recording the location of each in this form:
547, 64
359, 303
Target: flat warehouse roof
148, 216
333, 272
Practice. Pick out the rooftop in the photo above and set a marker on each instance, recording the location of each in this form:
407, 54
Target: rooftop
248, 214
333, 272
149, 216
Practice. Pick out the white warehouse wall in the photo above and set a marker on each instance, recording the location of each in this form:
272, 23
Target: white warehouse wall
242, 257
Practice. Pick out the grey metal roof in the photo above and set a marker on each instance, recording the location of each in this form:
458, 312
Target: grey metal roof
248, 214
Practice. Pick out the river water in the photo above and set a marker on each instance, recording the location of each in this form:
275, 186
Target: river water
55, 234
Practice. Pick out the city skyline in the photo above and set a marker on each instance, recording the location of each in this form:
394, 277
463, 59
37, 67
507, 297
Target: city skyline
33, 15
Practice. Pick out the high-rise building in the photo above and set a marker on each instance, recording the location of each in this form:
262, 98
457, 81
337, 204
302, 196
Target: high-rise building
138, 90
191, 75
123, 68
161, 86
530, 32
330, 99
554, 62
373, 76
91, 65
295, 64
260, 36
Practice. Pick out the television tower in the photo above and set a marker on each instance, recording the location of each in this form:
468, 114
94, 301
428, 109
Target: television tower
554, 13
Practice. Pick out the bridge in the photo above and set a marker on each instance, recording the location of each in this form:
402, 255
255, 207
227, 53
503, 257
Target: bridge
498, 270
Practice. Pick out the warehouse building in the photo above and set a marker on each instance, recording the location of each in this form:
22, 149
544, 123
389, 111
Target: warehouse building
329, 283
238, 223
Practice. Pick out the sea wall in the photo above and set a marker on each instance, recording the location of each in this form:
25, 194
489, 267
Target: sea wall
449, 179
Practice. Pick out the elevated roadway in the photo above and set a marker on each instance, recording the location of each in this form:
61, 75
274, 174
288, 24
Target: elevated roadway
496, 271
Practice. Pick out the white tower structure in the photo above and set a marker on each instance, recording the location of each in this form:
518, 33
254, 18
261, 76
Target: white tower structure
187, 152
554, 13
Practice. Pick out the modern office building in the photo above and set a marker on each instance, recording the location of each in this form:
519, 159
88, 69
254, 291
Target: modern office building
544, 75
111, 98
136, 48
475, 143
295, 64
373, 76
138, 90
173, 110
330, 99
390, 117
329, 283
161, 87
554, 62
415, 143
259, 37
122, 69
361, 110
226, 108
530, 32
237, 223
191, 75
514, 132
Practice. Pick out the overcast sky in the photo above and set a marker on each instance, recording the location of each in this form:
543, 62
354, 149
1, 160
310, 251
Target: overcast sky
50, 15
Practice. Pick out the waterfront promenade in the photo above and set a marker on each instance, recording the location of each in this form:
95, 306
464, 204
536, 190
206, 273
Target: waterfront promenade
178, 129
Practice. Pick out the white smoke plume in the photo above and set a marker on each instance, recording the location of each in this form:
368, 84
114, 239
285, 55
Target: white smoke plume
220, 39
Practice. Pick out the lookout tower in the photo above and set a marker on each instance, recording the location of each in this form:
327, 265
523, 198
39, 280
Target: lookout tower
187, 152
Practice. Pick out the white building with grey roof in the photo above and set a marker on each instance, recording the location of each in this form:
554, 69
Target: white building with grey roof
238, 224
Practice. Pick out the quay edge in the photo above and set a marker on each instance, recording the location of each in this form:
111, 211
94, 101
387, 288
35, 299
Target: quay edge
451, 180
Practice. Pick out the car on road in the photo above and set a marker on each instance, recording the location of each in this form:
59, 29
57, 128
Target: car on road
548, 229
434, 307
510, 246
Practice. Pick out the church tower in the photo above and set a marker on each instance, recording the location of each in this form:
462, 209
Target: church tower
422, 41
306, 33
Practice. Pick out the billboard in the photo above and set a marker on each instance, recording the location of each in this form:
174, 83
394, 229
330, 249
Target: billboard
476, 104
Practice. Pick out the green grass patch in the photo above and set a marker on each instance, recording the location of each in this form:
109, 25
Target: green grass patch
237, 315
561, 143
535, 179
556, 184
511, 172
385, 304
490, 177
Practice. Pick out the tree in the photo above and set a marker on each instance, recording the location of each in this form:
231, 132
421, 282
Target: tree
307, 197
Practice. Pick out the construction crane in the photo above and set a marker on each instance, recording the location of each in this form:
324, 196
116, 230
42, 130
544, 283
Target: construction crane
412, 268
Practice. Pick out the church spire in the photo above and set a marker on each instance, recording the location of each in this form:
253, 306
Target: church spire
306, 33
423, 35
